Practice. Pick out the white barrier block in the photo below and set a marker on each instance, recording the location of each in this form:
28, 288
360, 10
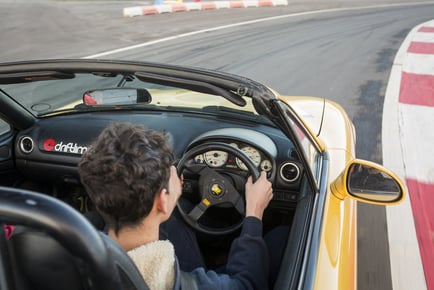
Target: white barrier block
280, 2
132, 11
223, 4
193, 6
163, 8
250, 3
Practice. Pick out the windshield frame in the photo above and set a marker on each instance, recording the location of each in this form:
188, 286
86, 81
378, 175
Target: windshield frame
236, 90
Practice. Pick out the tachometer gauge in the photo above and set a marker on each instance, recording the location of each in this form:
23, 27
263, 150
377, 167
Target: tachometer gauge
216, 158
253, 154
266, 165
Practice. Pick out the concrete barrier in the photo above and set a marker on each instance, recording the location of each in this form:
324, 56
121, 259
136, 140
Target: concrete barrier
167, 7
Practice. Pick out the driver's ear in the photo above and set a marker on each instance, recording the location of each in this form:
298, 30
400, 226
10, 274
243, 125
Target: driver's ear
161, 201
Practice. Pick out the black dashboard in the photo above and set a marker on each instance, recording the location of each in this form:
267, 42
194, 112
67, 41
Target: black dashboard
50, 150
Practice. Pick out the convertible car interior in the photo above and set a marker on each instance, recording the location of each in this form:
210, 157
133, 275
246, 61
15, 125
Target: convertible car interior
217, 130
223, 128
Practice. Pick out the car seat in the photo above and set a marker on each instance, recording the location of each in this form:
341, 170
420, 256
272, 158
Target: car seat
55, 247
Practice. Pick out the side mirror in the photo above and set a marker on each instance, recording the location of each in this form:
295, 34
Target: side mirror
116, 96
368, 182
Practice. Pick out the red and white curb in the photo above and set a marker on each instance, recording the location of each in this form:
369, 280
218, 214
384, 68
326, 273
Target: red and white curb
195, 6
408, 127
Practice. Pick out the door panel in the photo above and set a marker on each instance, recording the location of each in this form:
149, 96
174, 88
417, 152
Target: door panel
8, 174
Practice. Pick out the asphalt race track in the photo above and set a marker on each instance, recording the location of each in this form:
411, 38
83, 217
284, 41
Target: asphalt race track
341, 54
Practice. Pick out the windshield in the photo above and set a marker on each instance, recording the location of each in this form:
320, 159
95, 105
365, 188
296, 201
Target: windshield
45, 97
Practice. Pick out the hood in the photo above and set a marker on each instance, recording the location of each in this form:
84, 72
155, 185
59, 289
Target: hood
309, 109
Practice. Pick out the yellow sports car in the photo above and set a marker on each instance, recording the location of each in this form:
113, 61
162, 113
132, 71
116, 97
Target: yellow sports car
221, 125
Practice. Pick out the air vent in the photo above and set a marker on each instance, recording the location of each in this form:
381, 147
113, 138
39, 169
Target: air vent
26, 144
290, 172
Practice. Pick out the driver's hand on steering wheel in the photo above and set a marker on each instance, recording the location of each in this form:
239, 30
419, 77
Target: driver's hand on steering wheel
258, 195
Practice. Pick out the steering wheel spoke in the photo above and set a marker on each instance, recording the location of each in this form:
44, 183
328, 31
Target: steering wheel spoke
196, 168
239, 205
197, 212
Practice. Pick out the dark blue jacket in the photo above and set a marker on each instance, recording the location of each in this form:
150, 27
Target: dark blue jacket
246, 268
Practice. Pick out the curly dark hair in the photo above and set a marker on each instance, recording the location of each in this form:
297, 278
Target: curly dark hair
123, 170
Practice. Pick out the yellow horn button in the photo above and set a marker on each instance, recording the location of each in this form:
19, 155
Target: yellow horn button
216, 189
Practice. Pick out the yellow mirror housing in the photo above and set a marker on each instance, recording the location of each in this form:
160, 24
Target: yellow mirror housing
368, 182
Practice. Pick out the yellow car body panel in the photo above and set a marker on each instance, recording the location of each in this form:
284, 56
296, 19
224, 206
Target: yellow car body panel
337, 256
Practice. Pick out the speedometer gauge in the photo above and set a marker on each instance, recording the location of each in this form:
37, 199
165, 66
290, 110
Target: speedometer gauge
253, 154
215, 158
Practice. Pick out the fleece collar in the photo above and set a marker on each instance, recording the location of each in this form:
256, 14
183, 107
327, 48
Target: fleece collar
156, 263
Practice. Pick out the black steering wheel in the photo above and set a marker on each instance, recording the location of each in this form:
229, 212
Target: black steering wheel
215, 188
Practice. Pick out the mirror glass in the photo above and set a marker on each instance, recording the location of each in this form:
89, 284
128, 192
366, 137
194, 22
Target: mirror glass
371, 183
116, 96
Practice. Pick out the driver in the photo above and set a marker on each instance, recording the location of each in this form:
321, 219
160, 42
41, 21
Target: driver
129, 176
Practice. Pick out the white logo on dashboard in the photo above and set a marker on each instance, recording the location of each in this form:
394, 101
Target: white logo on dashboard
74, 148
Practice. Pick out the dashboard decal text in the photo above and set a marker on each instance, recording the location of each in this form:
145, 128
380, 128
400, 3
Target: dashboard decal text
70, 147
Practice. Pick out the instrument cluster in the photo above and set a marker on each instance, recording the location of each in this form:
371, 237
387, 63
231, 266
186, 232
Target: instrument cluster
217, 158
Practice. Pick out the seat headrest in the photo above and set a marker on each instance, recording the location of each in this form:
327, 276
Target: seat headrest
57, 237
40, 262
